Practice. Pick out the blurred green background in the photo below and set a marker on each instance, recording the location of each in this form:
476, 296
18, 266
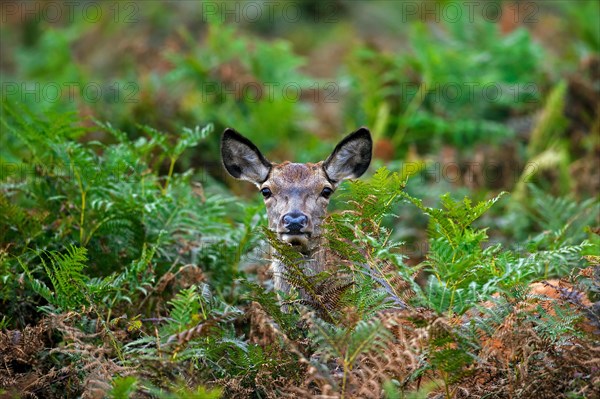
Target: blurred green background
472, 98
461, 86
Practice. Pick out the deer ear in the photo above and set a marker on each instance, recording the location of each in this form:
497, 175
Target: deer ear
242, 159
351, 157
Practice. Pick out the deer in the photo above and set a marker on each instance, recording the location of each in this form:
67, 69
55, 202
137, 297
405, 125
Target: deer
296, 195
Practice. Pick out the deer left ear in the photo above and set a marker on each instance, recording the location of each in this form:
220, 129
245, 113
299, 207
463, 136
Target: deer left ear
351, 157
242, 159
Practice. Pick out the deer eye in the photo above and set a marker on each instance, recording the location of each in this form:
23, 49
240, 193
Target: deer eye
266, 192
326, 192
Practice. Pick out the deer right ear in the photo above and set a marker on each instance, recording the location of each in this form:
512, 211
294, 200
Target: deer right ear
242, 159
351, 157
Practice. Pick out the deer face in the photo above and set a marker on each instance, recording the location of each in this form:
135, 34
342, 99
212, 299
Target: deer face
296, 195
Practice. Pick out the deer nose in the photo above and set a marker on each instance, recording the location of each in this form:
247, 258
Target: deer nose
294, 221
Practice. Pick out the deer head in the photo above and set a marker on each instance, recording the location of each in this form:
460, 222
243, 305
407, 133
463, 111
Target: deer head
296, 194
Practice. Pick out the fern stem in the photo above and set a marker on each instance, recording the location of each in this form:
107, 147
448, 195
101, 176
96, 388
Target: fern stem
95, 228
168, 179
107, 330
109, 311
362, 345
451, 304
82, 218
412, 107
446, 384
83, 201
344, 380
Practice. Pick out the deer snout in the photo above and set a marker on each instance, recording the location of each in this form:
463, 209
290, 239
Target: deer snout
294, 222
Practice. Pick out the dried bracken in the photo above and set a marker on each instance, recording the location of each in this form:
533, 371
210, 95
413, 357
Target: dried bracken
27, 372
99, 363
21, 371
519, 358
399, 360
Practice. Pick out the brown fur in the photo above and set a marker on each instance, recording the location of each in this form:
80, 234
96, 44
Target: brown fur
297, 189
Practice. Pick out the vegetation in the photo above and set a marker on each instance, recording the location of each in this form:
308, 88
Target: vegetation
468, 259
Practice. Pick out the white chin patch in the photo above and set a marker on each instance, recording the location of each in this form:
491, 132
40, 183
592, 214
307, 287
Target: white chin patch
295, 239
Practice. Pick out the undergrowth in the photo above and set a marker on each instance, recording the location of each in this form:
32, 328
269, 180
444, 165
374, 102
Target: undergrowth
123, 277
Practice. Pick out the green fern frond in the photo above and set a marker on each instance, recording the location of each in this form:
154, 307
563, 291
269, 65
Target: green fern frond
328, 298
365, 337
374, 199
558, 327
452, 222
16, 223
349, 342
64, 270
563, 219
268, 300
186, 308
38, 134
